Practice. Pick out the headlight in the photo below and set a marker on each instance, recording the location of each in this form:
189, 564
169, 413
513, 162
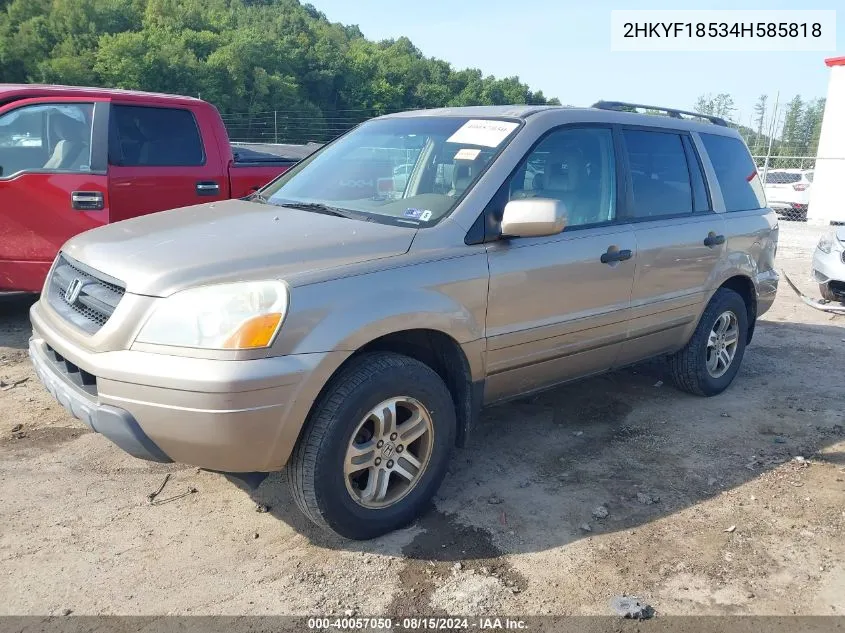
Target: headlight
828, 242
244, 315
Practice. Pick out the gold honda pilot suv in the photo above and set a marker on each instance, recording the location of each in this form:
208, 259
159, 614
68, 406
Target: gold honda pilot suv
349, 320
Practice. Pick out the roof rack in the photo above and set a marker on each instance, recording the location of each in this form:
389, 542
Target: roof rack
672, 112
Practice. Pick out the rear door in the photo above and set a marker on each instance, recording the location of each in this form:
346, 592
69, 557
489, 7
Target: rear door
749, 225
680, 239
161, 158
53, 183
558, 306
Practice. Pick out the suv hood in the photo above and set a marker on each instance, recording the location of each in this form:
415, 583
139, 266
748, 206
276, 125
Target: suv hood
233, 240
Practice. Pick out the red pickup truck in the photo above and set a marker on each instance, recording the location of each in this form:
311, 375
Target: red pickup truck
72, 159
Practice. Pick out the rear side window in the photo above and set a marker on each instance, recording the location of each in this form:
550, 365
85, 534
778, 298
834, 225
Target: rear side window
147, 137
736, 173
660, 178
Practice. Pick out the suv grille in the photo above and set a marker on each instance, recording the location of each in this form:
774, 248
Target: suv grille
83, 296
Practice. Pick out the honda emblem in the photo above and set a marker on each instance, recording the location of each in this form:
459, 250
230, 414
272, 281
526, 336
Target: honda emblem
73, 290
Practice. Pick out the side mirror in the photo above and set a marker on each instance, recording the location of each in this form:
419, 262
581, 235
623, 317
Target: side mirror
533, 217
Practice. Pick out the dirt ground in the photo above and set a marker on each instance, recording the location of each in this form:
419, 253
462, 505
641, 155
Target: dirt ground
708, 511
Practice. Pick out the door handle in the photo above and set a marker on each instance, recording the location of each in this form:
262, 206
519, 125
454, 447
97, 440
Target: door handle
713, 240
87, 200
207, 188
614, 255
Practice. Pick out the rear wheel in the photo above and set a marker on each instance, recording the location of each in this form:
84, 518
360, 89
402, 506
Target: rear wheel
376, 447
708, 363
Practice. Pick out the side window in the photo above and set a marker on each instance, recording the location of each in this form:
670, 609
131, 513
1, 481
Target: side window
736, 172
147, 137
576, 166
46, 137
660, 178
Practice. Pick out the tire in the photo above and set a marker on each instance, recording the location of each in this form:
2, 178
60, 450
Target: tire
827, 293
689, 366
319, 483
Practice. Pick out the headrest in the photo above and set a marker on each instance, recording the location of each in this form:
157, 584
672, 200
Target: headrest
461, 175
66, 128
565, 169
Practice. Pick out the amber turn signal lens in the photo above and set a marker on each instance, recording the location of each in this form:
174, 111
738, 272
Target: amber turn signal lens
256, 332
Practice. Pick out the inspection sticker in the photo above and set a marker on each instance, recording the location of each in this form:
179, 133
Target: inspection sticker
483, 132
418, 214
467, 154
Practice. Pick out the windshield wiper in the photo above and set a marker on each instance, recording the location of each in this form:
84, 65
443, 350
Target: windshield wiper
319, 207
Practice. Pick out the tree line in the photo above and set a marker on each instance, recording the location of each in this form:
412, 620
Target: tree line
248, 57
792, 130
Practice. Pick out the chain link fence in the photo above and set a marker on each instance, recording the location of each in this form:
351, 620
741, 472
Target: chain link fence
787, 182
294, 127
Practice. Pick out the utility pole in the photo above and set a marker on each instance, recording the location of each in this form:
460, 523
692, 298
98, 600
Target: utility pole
771, 137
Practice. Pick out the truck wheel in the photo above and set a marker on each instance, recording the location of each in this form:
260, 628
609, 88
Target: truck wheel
375, 448
708, 363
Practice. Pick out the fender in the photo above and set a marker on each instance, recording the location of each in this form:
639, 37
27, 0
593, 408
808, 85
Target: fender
447, 295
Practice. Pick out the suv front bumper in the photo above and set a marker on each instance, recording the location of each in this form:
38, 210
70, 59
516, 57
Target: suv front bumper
229, 416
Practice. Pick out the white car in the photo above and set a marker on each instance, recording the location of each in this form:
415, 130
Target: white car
788, 192
829, 264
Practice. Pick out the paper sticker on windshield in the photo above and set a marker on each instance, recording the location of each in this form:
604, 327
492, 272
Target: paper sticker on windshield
467, 154
426, 215
483, 132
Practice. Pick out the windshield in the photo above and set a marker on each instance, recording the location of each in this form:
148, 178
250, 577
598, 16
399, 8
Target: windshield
404, 170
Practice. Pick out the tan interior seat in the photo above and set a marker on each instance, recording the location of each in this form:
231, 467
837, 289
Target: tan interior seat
462, 175
70, 150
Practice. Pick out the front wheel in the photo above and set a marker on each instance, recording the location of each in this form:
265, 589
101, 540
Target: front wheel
827, 293
376, 446
708, 363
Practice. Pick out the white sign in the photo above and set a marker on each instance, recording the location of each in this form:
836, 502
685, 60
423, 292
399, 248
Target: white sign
467, 154
483, 132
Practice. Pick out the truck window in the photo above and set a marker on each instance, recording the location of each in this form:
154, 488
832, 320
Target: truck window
660, 177
154, 137
46, 137
735, 172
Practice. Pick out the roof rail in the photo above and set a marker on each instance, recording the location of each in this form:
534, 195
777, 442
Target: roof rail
672, 112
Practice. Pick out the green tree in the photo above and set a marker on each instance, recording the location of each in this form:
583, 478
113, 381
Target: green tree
791, 132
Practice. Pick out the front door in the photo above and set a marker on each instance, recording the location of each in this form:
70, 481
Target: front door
158, 161
558, 306
53, 182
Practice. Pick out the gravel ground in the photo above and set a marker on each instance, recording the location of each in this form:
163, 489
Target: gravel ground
615, 485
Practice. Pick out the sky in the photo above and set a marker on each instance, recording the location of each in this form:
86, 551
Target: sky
563, 48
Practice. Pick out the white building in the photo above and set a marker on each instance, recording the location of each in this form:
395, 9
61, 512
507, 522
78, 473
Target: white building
827, 203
